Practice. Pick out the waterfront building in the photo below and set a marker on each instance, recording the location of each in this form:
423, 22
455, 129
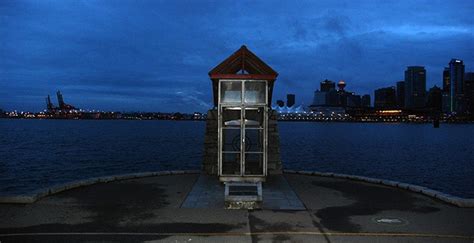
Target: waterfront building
319, 98
365, 102
456, 86
401, 94
290, 100
332, 98
327, 85
354, 100
434, 99
415, 87
385, 98
445, 100
469, 91
326, 95
280, 103
446, 80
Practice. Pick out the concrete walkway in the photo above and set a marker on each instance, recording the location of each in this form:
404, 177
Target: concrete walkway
152, 209
208, 192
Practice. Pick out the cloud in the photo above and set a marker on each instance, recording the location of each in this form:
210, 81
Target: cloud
155, 55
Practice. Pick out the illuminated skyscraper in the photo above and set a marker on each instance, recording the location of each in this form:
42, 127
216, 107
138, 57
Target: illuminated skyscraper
456, 86
415, 87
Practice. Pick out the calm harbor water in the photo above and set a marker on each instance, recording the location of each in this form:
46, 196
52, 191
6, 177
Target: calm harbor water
36, 154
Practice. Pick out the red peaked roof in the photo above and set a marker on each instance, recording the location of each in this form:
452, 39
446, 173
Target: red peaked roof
243, 64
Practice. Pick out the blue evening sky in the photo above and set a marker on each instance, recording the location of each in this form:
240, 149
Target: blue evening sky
155, 55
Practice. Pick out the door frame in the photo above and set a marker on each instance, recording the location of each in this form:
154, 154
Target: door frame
242, 106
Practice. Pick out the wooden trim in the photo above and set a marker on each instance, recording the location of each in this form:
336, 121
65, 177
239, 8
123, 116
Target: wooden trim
269, 77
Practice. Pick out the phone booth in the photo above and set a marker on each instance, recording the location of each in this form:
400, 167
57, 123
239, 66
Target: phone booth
242, 86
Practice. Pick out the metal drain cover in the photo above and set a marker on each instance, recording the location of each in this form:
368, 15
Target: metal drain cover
390, 221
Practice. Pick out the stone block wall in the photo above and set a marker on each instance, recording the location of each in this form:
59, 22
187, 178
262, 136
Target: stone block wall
209, 164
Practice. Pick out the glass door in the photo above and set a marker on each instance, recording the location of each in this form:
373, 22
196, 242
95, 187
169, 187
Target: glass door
231, 141
242, 128
254, 141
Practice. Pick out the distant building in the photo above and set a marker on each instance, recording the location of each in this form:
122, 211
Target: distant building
353, 100
341, 85
401, 94
280, 103
290, 100
446, 80
327, 85
385, 98
365, 100
415, 87
319, 98
456, 86
332, 98
342, 98
469, 91
434, 99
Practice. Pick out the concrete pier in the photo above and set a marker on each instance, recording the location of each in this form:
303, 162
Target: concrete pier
154, 209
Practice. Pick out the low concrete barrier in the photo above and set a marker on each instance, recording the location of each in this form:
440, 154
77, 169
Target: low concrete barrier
35, 196
454, 200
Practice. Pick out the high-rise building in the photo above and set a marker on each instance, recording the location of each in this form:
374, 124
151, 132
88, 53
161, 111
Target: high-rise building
385, 98
290, 100
434, 99
353, 100
319, 98
327, 85
456, 86
469, 91
445, 100
365, 100
446, 80
415, 87
332, 98
401, 94
280, 103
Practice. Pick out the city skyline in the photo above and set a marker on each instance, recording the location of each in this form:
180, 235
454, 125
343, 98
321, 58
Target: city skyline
152, 56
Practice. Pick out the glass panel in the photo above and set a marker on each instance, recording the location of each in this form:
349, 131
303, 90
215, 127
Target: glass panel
254, 164
255, 92
254, 140
231, 140
254, 117
231, 163
231, 92
231, 117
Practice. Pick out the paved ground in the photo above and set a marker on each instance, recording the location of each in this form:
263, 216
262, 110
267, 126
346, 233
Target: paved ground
208, 192
150, 209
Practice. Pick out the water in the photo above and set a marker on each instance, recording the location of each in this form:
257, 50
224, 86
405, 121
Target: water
36, 154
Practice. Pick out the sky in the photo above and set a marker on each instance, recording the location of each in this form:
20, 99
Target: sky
155, 55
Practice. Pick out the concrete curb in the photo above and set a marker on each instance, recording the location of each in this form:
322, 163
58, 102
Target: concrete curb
454, 200
23, 199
